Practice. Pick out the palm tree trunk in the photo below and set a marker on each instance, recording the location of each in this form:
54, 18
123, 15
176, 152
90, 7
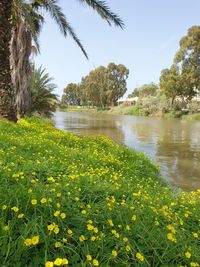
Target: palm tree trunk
20, 66
7, 99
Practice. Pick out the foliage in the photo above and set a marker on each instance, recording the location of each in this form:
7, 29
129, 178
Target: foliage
150, 89
102, 87
43, 99
88, 202
71, 96
188, 60
117, 76
170, 83
192, 117
183, 77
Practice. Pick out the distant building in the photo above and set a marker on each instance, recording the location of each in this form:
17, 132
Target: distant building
128, 101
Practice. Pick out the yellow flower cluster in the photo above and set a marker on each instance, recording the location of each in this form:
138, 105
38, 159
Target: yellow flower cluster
31, 241
57, 262
53, 228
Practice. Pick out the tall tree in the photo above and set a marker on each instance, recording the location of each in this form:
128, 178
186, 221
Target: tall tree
170, 83
55, 11
103, 86
7, 97
183, 77
26, 28
117, 76
71, 95
188, 61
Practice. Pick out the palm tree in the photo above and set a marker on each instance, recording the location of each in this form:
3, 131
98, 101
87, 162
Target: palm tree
27, 24
43, 100
7, 106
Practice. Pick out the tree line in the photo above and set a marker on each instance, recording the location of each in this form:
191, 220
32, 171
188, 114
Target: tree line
101, 88
20, 25
178, 84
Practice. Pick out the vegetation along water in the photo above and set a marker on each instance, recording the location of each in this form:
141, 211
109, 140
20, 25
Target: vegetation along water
80, 201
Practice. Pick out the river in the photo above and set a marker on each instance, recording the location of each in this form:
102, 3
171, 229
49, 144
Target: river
172, 143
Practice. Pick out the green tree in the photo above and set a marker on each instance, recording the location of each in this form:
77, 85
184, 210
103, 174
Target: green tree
117, 76
150, 89
183, 77
188, 61
43, 99
71, 95
171, 83
94, 88
103, 86
24, 26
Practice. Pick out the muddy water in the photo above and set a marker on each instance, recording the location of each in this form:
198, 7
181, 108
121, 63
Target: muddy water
173, 144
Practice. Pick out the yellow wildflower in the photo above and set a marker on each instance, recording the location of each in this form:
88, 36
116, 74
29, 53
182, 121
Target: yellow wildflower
114, 253
43, 200
28, 242
56, 230
56, 213
15, 209
95, 262
110, 222
89, 257
83, 212
90, 227
93, 238
65, 261
51, 227
134, 217
171, 237
49, 264
82, 238
58, 262
95, 230
62, 215
69, 232
58, 244
34, 202
20, 216
139, 256
188, 255
35, 240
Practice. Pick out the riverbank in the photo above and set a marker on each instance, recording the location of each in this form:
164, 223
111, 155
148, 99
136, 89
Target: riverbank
135, 111
88, 202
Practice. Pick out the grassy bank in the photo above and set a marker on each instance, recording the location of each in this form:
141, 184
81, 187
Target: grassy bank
77, 201
192, 117
125, 110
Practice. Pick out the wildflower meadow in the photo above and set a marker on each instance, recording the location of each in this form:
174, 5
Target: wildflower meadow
78, 201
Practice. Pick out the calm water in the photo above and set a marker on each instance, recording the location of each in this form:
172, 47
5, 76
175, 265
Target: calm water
173, 144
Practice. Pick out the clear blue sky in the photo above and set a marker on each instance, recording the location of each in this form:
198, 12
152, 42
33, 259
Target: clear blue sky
151, 37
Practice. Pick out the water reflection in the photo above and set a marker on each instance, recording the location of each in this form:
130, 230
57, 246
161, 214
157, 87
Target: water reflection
173, 144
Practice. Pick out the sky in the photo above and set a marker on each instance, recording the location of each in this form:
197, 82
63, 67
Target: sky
153, 29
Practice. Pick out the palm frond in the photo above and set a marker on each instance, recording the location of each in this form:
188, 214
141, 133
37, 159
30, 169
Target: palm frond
56, 13
43, 98
104, 11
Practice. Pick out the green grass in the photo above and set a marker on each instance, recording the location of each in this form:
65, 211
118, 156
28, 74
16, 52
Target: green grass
192, 117
125, 110
84, 201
